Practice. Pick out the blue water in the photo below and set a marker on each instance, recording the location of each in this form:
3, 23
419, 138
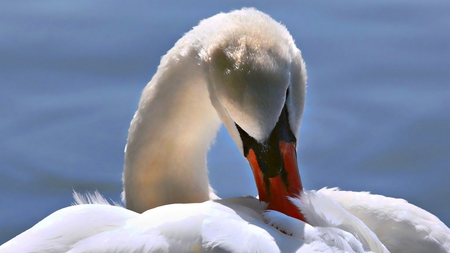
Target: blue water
71, 73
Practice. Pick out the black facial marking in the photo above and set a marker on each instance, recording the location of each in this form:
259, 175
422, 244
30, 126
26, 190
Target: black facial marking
268, 152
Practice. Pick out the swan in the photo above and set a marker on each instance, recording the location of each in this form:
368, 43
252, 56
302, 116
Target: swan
241, 69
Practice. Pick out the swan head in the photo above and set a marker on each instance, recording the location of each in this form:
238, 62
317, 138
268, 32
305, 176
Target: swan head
257, 84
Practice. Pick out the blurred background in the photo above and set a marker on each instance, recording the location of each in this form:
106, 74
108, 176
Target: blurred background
71, 73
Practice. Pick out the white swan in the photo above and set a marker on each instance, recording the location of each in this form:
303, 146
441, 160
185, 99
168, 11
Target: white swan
241, 68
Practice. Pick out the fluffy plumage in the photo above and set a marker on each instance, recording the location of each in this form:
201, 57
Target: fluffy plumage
232, 225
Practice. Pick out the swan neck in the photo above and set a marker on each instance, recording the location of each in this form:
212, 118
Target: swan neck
170, 134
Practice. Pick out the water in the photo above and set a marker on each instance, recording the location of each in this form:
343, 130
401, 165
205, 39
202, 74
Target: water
71, 73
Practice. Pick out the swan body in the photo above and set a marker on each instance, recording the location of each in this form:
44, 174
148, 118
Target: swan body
216, 226
232, 225
244, 70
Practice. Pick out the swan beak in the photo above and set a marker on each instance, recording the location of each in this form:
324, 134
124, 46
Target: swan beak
274, 166
276, 190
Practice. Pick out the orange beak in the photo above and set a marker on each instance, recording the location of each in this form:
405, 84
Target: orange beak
275, 190
274, 166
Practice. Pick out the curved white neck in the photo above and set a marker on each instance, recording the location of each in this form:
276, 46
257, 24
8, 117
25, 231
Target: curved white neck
169, 136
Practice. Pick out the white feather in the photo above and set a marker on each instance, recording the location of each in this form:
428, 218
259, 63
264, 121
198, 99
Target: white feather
401, 226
